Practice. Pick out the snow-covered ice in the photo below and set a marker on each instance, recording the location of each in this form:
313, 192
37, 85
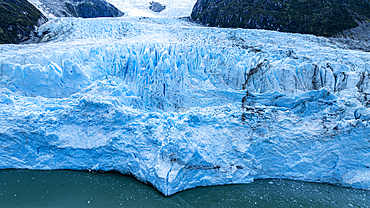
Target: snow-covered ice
178, 105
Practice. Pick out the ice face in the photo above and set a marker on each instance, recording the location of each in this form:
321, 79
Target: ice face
179, 106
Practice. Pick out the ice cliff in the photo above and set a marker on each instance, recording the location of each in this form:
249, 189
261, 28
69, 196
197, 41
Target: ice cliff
178, 105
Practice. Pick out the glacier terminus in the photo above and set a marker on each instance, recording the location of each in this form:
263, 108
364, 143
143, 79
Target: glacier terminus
178, 105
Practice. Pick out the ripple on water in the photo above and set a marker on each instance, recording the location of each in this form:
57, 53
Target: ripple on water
26, 188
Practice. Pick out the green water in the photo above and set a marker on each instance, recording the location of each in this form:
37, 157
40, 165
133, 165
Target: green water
25, 188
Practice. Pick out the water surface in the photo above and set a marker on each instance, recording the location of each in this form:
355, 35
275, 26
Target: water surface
26, 188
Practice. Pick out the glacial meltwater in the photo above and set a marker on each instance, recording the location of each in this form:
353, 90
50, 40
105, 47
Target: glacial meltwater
27, 188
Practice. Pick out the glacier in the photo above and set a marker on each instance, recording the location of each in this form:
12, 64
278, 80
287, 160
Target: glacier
140, 8
178, 105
